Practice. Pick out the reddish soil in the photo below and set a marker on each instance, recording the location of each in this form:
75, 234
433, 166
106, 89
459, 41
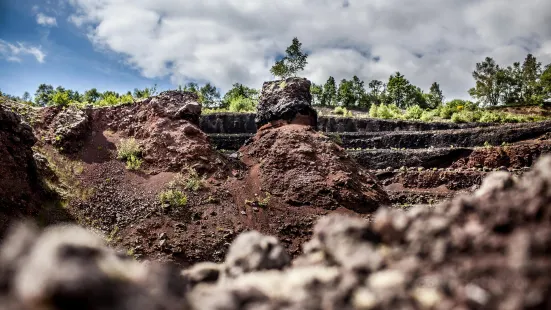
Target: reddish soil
302, 167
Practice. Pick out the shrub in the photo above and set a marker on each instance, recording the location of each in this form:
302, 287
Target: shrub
133, 163
242, 104
446, 112
173, 198
490, 117
340, 110
108, 100
428, 116
373, 110
413, 112
60, 98
191, 182
128, 147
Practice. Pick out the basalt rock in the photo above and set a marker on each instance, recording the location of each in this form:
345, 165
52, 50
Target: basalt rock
70, 128
176, 105
288, 100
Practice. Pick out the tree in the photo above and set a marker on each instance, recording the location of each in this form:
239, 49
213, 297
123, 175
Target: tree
292, 63
486, 90
402, 93
434, 97
317, 92
209, 95
43, 94
26, 96
239, 90
377, 90
531, 71
60, 98
345, 93
360, 96
545, 83
329, 97
91, 95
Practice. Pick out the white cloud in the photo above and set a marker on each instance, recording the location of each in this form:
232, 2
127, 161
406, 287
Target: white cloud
12, 52
227, 41
46, 20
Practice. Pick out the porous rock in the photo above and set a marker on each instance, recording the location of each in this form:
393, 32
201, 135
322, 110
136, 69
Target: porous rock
288, 100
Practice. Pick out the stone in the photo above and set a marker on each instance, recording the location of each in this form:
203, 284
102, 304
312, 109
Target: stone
252, 251
287, 100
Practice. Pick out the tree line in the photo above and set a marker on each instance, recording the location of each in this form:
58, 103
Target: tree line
526, 83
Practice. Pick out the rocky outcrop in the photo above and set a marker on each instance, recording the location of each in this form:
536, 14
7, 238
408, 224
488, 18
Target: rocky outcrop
17, 167
70, 129
486, 251
166, 127
288, 100
176, 105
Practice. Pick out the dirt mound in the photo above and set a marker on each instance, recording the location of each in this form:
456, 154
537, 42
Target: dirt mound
486, 251
303, 167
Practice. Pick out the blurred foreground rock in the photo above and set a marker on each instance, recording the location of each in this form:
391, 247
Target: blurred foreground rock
487, 251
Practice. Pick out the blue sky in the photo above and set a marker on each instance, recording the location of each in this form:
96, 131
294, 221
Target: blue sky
70, 58
125, 44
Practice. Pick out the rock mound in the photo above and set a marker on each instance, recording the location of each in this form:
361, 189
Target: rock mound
486, 251
166, 127
304, 167
289, 100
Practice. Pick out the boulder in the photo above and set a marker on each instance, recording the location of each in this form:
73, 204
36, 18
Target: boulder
175, 104
288, 100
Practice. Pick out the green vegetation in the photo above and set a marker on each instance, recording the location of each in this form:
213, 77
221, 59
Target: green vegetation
191, 181
133, 162
173, 198
293, 62
130, 151
342, 111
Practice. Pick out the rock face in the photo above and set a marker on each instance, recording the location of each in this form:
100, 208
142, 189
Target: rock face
486, 251
289, 100
17, 167
70, 128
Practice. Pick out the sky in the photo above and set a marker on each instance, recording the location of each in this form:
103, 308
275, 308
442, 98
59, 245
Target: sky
125, 44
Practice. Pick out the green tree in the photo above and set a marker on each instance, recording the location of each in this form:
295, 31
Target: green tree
376, 91
345, 93
435, 97
486, 89
91, 95
239, 90
43, 94
294, 61
317, 92
401, 93
60, 98
531, 71
209, 95
329, 97
545, 83
360, 96
26, 96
